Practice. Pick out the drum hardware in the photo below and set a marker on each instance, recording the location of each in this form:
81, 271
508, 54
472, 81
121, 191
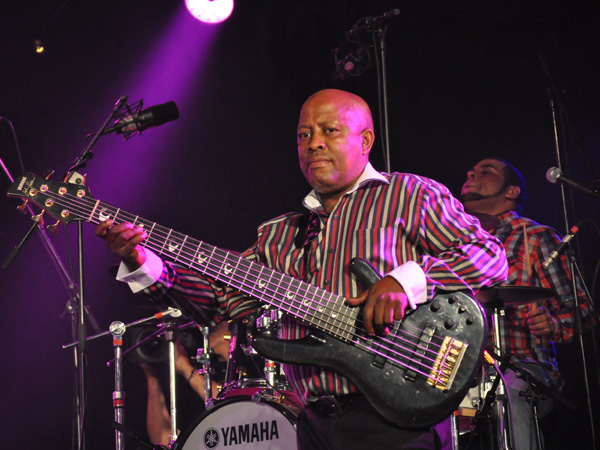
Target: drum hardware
495, 396
170, 328
505, 296
242, 421
495, 300
203, 357
117, 330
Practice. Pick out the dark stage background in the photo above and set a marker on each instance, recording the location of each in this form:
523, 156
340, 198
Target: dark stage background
464, 81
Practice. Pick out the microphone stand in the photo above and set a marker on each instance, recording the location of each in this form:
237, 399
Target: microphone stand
377, 27
555, 97
382, 91
71, 287
117, 329
73, 177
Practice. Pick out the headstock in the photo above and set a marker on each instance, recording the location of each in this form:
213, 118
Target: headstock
64, 201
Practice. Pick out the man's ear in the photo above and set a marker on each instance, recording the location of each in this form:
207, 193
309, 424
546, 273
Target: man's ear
368, 137
512, 192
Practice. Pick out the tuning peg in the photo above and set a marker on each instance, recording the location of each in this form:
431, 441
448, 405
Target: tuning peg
54, 227
48, 174
23, 206
39, 218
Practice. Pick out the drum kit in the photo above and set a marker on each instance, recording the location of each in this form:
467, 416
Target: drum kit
486, 404
256, 408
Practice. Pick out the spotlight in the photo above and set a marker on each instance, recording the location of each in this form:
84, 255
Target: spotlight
210, 11
38, 46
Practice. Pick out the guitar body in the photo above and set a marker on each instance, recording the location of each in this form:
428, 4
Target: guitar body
414, 377
407, 399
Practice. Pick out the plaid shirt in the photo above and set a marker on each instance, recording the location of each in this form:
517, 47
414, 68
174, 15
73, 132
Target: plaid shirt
388, 220
514, 333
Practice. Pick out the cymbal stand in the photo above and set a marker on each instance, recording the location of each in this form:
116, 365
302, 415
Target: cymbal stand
171, 338
203, 357
533, 396
117, 329
504, 433
504, 429
268, 325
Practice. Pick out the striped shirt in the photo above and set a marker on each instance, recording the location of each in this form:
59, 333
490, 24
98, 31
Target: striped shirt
389, 219
515, 336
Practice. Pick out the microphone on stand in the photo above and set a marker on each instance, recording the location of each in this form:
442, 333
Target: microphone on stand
371, 22
560, 249
554, 174
153, 116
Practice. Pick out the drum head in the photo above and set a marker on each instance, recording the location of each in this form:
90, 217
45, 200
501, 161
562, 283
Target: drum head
241, 423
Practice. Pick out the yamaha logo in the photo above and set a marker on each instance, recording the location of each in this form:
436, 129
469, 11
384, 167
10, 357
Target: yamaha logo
211, 438
241, 435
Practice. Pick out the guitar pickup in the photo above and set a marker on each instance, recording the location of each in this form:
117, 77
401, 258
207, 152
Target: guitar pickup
421, 347
447, 363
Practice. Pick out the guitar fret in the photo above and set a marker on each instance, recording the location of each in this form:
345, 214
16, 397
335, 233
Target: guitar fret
242, 261
238, 271
297, 284
337, 307
227, 271
266, 284
181, 248
259, 282
93, 210
347, 328
165, 241
198, 259
147, 241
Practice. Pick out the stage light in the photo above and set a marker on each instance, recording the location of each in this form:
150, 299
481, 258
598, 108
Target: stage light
210, 11
38, 46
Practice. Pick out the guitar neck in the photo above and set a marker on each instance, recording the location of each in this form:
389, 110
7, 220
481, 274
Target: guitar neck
314, 306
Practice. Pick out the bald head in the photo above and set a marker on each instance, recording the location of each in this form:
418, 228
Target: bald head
354, 107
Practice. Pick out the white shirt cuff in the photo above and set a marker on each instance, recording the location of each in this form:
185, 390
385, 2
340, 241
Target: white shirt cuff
143, 276
412, 279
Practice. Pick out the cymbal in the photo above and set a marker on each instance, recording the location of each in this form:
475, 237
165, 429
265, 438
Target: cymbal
488, 222
512, 295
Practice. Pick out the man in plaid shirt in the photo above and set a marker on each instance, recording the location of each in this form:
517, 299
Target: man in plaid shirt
496, 191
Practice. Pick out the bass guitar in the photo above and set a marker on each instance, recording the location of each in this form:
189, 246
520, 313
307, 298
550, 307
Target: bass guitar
415, 376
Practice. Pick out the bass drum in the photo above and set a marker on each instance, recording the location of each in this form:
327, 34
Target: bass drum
243, 422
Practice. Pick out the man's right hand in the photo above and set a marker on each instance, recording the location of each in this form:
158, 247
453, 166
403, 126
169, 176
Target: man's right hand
123, 240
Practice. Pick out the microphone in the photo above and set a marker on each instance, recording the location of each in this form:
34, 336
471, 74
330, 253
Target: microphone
554, 174
559, 250
153, 116
372, 21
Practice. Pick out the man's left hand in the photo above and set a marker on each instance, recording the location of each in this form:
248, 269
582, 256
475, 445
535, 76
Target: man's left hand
540, 321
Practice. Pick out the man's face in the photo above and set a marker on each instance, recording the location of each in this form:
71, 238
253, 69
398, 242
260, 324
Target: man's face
331, 145
485, 181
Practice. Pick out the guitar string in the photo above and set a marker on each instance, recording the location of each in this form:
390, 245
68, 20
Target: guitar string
77, 200
80, 202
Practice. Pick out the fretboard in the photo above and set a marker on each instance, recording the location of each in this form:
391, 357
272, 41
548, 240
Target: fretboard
312, 305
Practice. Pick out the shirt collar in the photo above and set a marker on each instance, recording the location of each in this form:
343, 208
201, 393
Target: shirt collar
507, 216
312, 201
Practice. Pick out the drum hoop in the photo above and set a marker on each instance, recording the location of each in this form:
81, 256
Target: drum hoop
285, 410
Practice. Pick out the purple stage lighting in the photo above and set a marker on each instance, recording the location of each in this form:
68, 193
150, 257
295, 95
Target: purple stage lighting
210, 11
